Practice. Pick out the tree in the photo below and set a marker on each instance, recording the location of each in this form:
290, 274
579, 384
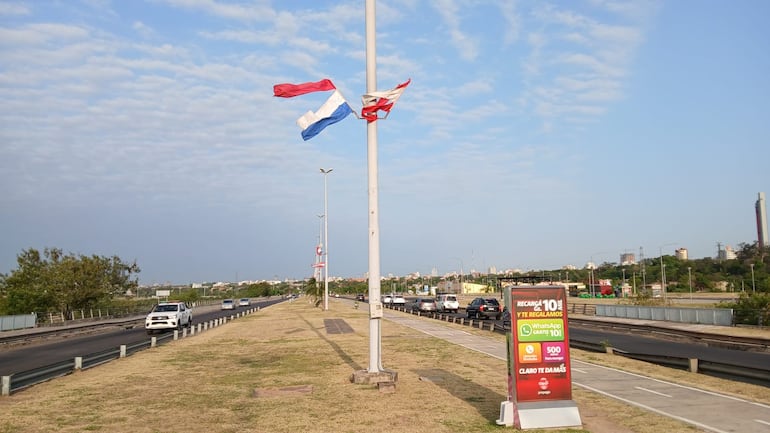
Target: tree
314, 289
54, 281
751, 309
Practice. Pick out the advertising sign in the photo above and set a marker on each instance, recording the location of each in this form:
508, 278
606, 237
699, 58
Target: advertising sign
541, 344
539, 378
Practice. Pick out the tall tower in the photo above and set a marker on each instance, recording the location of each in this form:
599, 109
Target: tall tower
762, 236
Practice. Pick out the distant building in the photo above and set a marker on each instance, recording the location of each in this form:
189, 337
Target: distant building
454, 286
627, 259
761, 211
727, 253
681, 253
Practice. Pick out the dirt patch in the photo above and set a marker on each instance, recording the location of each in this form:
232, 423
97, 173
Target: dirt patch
337, 326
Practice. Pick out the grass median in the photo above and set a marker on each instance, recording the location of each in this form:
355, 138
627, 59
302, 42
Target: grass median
279, 370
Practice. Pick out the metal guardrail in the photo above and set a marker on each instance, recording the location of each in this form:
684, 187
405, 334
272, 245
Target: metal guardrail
24, 379
28, 378
724, 370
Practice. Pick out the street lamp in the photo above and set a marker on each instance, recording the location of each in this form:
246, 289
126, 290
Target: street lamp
689, 278
460, 290
663, 270
326, 241
623, 284
591, 278
319, 248
753, 288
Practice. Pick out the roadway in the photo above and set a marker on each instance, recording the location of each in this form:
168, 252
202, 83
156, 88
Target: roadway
706, 410
39, 353
643, 343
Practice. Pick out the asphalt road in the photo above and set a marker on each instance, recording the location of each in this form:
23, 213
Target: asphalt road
642, 344
655, 346
48, 352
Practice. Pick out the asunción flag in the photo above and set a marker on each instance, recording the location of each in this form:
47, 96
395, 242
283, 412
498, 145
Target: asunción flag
376, 101
332, 111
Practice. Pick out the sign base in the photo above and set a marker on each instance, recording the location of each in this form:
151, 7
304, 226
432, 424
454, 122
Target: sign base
548, 414
506, 414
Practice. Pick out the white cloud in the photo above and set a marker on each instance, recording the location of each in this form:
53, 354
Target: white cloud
512, 21
252, 12
11, 9
465, 45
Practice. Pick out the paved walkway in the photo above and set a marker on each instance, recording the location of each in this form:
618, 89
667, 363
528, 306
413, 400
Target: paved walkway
706, 410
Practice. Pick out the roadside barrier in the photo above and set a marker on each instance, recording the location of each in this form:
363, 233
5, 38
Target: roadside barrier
24, 379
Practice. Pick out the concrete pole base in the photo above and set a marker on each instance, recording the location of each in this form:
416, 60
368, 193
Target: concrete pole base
364, 377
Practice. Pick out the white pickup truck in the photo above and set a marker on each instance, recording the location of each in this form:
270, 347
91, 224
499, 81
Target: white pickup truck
168, 315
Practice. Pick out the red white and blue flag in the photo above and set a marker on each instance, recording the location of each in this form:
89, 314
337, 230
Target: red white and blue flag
332, 111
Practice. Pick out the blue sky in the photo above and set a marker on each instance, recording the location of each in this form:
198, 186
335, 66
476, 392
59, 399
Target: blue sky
533, 135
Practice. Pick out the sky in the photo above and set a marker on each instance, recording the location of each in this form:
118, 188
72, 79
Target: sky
533, 135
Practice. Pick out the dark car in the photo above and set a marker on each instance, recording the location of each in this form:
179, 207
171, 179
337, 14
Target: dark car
424, 305
361, 297
484, 308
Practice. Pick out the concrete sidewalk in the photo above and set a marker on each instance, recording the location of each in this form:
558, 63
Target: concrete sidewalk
703, 409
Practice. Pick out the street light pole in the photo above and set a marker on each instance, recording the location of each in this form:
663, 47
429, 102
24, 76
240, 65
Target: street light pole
319, 249
663, 271
326, 241
689, 278
753, 288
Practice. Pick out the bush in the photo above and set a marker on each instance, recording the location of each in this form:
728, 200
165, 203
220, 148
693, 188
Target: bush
753, 309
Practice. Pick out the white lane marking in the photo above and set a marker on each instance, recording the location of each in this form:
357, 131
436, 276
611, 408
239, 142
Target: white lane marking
651, 391
650, 408
762, 422
728, 397
579, 370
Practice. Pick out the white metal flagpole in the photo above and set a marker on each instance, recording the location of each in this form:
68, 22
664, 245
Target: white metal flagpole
326, 242
375, 306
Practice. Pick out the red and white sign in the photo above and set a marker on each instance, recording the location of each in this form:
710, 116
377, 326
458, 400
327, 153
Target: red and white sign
539, 378
539, 344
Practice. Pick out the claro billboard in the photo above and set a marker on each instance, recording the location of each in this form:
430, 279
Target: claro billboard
538, 359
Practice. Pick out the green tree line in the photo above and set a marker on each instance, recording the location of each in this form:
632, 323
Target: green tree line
53, 281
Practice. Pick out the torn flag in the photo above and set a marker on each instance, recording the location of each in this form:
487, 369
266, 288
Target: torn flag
332, 111
375, 101
291, 90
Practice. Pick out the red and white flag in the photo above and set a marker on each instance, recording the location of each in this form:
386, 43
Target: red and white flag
376, 101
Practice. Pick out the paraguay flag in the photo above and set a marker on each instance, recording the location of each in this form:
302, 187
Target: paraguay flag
332, 111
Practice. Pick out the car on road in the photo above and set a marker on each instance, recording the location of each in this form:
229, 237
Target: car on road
361, 297
399, 300
228, 304
387, 299
424, 305
447, 302
244, 302
484, 308
168, 315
